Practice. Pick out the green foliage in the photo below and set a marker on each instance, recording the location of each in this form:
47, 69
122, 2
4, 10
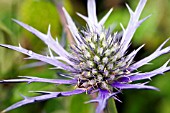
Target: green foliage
39, 14
77, 104
5, 57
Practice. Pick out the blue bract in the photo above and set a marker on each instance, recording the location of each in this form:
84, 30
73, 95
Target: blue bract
98, 61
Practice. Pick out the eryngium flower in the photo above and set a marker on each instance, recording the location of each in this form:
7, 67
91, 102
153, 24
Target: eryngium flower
97, 63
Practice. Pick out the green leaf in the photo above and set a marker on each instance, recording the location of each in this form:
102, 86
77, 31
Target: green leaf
77, 104
6, 61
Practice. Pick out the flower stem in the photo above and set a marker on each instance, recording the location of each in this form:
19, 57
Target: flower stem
111, 107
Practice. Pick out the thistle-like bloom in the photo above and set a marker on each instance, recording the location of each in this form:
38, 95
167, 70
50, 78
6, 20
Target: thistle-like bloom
98, 61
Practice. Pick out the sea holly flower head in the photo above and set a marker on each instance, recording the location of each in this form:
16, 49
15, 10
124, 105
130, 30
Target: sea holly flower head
98, 61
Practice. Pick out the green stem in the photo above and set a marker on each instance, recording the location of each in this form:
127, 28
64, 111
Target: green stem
111, 107
106, 110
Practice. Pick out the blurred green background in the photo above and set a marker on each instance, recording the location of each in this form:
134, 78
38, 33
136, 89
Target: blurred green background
41, 13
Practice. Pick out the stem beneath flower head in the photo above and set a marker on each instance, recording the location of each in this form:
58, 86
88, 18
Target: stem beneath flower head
111, 107
106, 110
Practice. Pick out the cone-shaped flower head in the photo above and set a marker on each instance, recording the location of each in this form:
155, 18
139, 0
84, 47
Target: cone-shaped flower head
98, 61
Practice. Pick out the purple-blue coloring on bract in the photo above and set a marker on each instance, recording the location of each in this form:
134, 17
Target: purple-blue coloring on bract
98, 61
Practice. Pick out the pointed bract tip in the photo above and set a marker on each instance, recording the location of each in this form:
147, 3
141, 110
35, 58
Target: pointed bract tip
14, 20
49, 30
166, 63
111, 9
17, 21
3, 111
64, 10
129, 9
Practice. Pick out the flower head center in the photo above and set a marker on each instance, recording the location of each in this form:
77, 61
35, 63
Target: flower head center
99, 60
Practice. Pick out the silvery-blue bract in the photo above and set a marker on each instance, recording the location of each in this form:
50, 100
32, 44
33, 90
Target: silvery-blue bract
98, 61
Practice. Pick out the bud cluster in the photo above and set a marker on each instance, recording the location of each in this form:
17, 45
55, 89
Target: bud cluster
99, 60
